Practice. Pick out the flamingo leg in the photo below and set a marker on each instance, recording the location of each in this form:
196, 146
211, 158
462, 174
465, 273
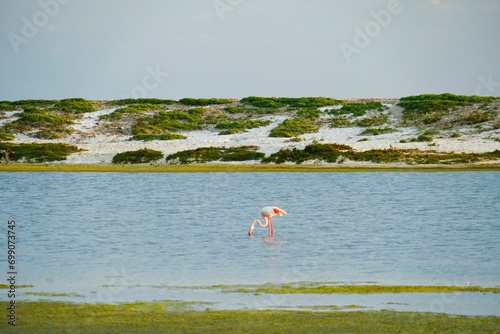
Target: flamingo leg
271, 229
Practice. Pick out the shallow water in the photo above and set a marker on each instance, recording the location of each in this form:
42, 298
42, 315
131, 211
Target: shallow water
79, 231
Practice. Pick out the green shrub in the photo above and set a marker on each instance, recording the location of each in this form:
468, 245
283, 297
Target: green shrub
175, 120
75, 105
432, 103
22, 104
377, 131
38, 152
239, 110
294, 127
326, 152
7, 106
130, 109
6, 136
478, 117
231, 131
301, 102
52, 133
363, 139
37, 118
208, 154
359, 109
14, 128
140, 101
242, 125
235, 110
340, 122
422, 138
164, 136
144, 155
309, 113
203, 102
372, 121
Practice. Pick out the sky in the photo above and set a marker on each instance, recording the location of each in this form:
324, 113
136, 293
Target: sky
171, 49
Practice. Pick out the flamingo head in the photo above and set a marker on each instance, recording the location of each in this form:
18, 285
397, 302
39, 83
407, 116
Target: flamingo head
250, 230
279, 211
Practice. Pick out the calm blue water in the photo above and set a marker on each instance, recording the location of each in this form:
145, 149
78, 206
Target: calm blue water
81, 230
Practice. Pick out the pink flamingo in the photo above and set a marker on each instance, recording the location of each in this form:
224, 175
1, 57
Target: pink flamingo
267, 213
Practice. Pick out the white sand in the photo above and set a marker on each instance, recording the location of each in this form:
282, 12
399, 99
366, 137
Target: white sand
101, 148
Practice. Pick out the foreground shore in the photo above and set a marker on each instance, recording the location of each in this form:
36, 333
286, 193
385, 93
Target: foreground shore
166, 317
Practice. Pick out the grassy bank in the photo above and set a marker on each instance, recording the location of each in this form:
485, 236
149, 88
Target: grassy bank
146, 168
166, 317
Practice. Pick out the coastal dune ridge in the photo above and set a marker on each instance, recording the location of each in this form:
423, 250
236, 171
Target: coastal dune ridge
435, 124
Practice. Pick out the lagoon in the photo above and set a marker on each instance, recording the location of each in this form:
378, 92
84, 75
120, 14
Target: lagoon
115, 237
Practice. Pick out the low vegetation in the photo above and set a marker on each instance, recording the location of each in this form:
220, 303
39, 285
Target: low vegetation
294, 127
123, 102
75, 105
131, 109
250, 110
142, 156
176, 317
163, 136
237, 127
36, 152
357, 108
22, 104
301, 102
372, 121
335, 287
332, 153
377, 131
175, 120
210, 154
6, 136
203, 102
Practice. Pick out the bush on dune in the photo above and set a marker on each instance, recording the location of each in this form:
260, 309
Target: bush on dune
144, 155
209, 154
37, 152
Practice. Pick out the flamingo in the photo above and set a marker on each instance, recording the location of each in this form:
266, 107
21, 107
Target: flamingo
267, 213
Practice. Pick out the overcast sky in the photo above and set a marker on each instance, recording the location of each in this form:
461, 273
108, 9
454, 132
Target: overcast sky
111, 49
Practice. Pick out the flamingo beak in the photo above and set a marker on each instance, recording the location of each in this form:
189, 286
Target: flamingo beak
250, 230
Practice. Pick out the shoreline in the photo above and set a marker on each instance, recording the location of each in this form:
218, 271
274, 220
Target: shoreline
214, 167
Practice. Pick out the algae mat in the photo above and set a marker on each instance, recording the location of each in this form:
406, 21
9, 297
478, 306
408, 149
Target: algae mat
165, 317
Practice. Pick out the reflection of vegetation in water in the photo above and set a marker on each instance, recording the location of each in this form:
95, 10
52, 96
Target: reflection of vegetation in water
176, 317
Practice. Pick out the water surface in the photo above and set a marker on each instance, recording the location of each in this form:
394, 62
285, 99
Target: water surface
79, 231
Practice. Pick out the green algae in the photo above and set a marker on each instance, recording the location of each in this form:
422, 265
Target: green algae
334, 287
63, 317
7, 286
52, 294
